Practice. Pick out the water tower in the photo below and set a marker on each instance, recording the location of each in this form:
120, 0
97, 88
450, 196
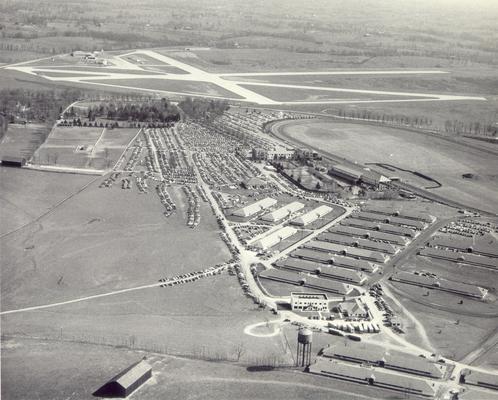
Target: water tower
304, 340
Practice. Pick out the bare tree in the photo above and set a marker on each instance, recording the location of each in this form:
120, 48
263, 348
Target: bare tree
239, 350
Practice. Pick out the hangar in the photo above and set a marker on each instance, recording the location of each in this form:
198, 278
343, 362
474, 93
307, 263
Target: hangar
283, 212
254, 208
127, 381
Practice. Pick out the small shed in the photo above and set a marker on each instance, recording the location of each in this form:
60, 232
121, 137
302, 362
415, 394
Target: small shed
127, 381
13, 161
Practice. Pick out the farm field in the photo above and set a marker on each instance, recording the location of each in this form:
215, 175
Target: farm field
22, 140
435, 157
82, 147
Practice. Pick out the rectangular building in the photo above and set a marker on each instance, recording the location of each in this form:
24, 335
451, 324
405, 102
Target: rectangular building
369, 216
340, 261
357, 242
283, 212
349, 251
461, 258
381, 227
312, 216
254, 208
275, 237
487, 248
302, 301
370, 234
478, 378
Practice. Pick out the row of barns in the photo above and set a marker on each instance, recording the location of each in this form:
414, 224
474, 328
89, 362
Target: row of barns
481, 252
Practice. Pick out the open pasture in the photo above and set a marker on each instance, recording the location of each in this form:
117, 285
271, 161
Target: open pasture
430, 155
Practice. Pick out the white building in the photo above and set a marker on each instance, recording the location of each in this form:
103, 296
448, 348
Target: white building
309, 302
312, 216
283, 212
254, 208
274, 238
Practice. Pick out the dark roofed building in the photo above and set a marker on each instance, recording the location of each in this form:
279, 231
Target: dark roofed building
11, 161
127, 381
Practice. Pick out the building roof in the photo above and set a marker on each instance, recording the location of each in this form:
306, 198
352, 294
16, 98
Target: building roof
275, 237
341, 261
283, 212
443, 284
346, 250
370, 216
479, 378
357, 242
463, 258
381, 227
353, 307
304, 295
131, 374
354, 173
486, 245
323, 270
365, 233
312, 215
310, 281
362, 374
253, 208
400, 213
391, 358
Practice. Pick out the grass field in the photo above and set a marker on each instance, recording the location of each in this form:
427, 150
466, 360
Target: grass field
433, 156
205, 88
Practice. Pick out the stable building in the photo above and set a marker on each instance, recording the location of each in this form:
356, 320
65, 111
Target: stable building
340, 261
127, 381
482, 247
301, 301
369, 234
254, 208
369, 216
308, 281
389, 359
357, 242
427, 218
283, 212
381, 227
376, 377
349, 251
478, 378
461, 258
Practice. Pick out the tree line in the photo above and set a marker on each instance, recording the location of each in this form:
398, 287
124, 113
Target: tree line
203, 109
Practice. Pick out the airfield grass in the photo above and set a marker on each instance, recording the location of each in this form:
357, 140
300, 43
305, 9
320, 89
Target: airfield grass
28, 364
169, 85
316, 95
433, 156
